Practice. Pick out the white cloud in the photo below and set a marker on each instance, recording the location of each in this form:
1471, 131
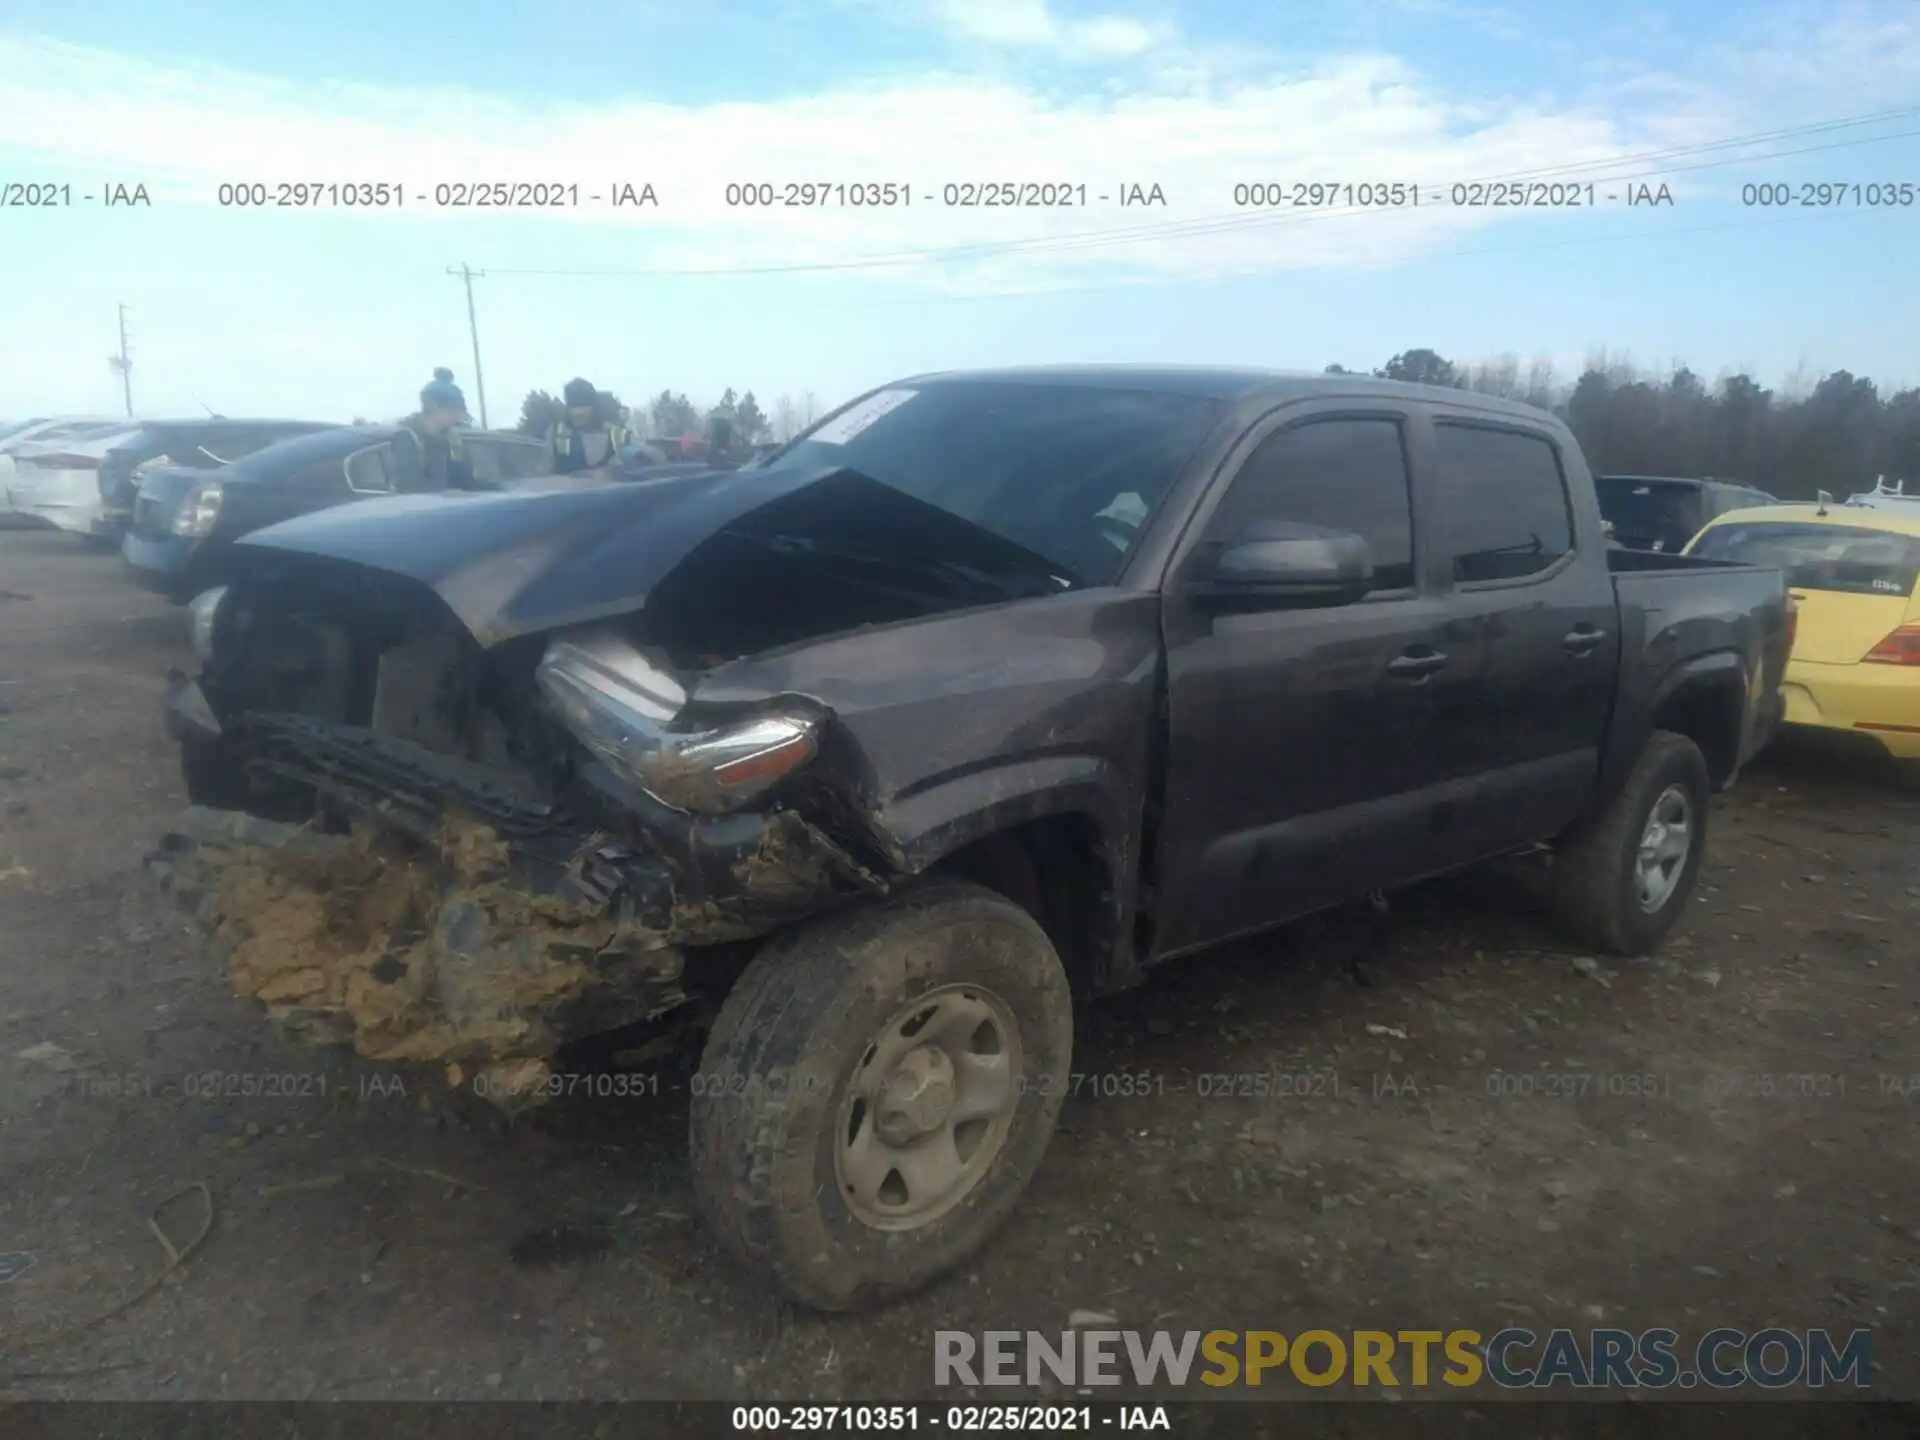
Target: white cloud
1003, 22
1495, 21
1358, 118
1038, 28
1037, 24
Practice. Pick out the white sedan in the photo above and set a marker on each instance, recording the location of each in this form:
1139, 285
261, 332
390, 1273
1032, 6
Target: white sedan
51, 473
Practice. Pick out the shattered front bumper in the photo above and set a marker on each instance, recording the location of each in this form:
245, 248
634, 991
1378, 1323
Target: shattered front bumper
434, 933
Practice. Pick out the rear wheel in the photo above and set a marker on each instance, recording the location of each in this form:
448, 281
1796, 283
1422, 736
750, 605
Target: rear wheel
874, 1099
1622, 879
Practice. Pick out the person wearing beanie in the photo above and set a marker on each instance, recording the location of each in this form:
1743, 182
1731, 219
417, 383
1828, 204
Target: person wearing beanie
443, 410
585, 437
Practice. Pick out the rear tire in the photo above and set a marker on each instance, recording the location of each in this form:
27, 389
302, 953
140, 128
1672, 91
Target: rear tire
828, 1145
1621, 879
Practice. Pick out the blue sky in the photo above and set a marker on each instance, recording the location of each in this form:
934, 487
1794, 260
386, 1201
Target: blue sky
335, 314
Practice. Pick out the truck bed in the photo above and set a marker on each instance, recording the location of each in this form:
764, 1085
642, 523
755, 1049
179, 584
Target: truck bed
1623, 562
1712, 612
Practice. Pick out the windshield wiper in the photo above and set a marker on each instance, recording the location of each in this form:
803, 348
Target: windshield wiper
1004, 583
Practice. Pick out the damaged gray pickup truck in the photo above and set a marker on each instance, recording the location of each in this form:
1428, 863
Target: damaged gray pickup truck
988, 693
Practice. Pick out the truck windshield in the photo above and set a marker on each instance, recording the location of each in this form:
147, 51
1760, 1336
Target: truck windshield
1069, 472
1853, 561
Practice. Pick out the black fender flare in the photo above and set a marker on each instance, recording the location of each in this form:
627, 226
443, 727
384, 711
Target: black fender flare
934, 822
1723, 669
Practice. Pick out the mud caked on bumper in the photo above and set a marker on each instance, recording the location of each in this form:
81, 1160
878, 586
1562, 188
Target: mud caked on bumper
431, 936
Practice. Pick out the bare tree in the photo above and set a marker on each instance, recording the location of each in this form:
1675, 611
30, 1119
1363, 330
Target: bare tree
809, 409
786, 419
1835, 432
1540, 386
1499, 376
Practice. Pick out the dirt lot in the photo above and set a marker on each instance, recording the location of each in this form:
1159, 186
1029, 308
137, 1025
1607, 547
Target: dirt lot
1440, 1171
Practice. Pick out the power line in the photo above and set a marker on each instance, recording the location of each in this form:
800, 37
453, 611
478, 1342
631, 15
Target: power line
1183, 229
1230, 223
1141, 281
1226, 224
1521, 249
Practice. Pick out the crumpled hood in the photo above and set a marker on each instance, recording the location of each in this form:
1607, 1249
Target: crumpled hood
525, 561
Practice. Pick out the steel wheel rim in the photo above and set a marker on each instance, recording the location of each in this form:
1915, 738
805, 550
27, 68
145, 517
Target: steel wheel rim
1665, 843
928, 1107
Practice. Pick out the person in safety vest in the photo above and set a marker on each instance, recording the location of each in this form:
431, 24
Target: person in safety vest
586, 437
443, 410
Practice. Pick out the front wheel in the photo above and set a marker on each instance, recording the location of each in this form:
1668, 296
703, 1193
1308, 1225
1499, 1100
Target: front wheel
878, 1090
1622, 879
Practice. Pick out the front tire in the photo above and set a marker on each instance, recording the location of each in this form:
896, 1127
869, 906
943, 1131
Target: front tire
1621, 880
878, 1090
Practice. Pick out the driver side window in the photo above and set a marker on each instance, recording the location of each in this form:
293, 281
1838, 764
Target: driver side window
1339, 474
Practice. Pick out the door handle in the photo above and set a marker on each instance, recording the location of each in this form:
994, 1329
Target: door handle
1583, 640
1416, 665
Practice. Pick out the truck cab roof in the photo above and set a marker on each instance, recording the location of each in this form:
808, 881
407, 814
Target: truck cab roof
1224, 383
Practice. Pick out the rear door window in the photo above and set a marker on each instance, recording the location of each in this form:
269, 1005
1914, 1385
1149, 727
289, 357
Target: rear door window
1741, 499
196, 456
1843, 559
206, 449
1503, 501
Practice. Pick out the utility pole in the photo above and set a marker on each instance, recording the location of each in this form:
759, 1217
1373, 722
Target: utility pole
473, 326
124, 364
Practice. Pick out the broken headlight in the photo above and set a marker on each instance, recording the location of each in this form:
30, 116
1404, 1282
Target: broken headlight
622, 709
199, 509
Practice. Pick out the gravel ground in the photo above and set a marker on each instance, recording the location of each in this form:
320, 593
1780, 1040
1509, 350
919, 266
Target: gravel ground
1741, 1151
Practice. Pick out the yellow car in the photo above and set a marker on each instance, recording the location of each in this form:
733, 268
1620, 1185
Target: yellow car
1852, 571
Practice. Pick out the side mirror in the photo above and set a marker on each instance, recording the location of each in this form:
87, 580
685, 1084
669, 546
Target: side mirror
1281, 565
